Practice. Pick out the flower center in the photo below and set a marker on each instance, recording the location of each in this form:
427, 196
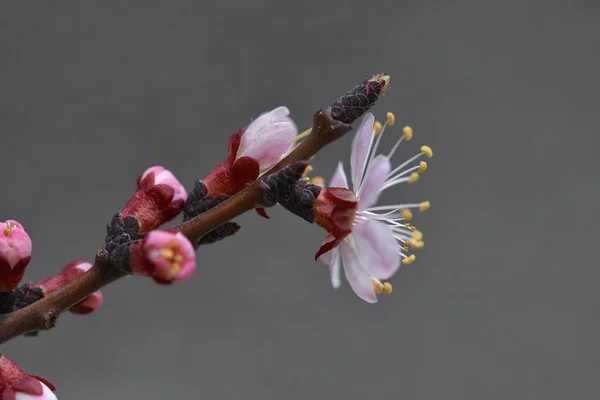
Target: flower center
9, 228
172, 256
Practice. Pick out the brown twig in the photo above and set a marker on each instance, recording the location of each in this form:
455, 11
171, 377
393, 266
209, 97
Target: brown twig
42, 314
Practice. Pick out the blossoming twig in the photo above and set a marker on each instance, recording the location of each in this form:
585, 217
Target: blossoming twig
42, 314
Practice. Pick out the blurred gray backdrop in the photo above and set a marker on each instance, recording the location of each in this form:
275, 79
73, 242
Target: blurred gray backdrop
502, 302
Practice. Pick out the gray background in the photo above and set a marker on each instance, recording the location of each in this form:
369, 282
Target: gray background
503, 301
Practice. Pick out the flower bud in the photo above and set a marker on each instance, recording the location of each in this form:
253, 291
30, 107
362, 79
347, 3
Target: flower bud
165, 256
17, 385
159, 198
252, 151
15, 254
69, 272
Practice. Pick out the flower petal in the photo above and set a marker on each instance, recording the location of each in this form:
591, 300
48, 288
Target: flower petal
335, 269
374, 180
339, 177
333, 261
357, 277
268, 137
360, 149
377, 248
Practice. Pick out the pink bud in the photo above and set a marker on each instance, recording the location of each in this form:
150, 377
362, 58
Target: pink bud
15, 253
268, 138
17, 385
165, 256
159, 198
69, 272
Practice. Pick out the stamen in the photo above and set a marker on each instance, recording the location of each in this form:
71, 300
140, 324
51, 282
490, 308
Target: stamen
377, 127
427, 151
378, 286
391, 118
387, 288
404, 164
305, 179
422, 166
307, 170
318, 181
424, 206
409, 260
406, 214
407, 131
417, 235
417, 244
414, 177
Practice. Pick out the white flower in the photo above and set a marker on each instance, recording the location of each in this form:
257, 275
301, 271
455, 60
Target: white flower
380, 235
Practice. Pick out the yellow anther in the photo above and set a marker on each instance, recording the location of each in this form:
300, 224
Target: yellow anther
409, 260
406, 214
377, 127
178, 258
318, 180
307, 170
167, 253
305, 179
417, 235
387, 288
422, 166
406, 247
407, 132
412, 228
413, 177
424, 206
391, 118
427, 151
378, 286
8, 230
417, 244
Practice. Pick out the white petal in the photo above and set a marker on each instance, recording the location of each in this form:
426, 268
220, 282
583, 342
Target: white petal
373, 183
357, 277
339, 177
378, 249
335, 268
46, 395
360, 149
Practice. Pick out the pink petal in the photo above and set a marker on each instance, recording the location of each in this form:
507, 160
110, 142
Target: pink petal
374, 180
357, 277
268, 137
339, 177
360, 149
378, 249
333, 261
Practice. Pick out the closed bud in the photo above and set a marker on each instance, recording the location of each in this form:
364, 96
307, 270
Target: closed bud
15, 254
159, 198
165, 256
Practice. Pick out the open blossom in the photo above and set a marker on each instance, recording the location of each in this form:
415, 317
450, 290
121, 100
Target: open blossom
165, 256
68, 273
15, 254
17, 385
369, 241
253, 151
158, 199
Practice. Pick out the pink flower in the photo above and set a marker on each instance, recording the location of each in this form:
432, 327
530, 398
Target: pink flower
253, 151
369, 241
15, 254
159, 198
68, 273
165, 256
17, 385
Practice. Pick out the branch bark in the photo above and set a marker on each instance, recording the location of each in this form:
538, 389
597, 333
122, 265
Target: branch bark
42, 314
